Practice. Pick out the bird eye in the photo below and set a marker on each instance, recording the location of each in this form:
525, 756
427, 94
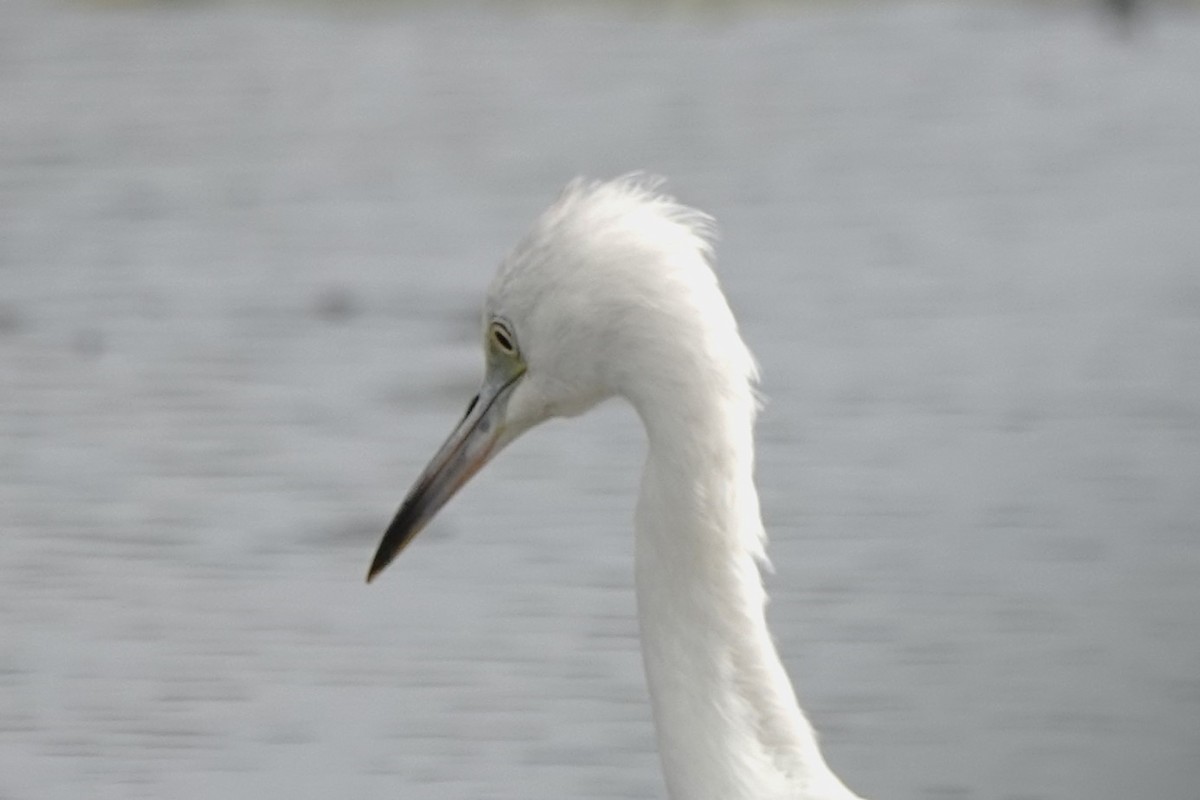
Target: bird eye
503, 339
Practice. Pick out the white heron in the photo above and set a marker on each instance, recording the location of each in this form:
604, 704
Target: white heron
612, 293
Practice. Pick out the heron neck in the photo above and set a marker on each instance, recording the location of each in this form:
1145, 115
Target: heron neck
726, 715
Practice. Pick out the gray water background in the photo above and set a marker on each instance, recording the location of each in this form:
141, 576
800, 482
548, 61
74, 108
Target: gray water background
241, 253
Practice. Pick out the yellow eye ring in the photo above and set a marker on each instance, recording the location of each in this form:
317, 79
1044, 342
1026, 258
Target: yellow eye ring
502, 338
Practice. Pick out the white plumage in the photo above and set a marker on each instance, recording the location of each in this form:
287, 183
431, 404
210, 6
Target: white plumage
612, 294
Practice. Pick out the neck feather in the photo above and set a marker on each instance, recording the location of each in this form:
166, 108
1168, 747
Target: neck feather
728, 723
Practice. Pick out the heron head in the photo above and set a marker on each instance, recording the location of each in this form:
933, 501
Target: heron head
609, 289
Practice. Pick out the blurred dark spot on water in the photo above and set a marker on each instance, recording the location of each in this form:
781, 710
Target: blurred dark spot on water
11, 321
336, 304
357, 532
1123, 13
947, 792
88, 342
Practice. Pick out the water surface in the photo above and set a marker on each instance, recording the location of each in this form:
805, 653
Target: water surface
241, 252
